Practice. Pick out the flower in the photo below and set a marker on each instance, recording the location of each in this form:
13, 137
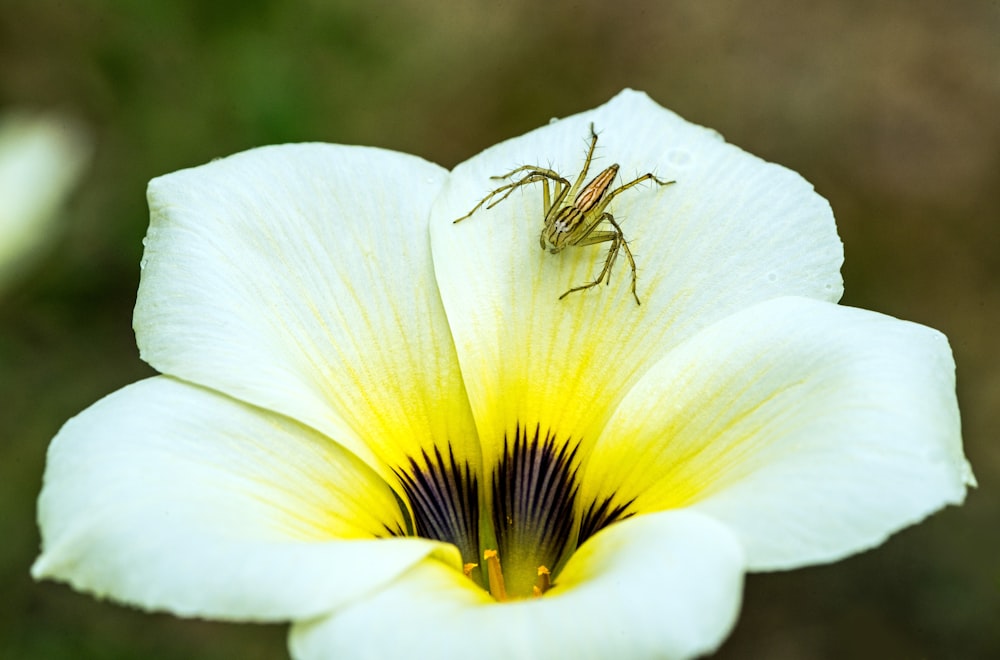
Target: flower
361, 421
41, 158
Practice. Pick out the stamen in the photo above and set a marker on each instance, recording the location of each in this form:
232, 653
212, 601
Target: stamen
543, 582
497, 588
467, 569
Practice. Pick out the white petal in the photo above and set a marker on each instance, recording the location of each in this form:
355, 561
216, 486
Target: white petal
812, 430
41, 157
658, 586
733, 230
167, 496
298, 278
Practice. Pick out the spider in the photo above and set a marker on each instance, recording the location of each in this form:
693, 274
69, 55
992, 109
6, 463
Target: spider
571, 217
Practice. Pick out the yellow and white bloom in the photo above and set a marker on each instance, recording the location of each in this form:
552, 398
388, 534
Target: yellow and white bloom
41, 158
361, 399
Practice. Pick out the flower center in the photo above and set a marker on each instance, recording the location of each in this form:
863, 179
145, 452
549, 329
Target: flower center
530, 527
498, 585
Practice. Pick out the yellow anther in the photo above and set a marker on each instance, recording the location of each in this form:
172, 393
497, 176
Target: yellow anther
467, 569
543, 582
497, 588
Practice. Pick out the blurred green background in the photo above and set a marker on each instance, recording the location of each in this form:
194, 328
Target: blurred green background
892, 109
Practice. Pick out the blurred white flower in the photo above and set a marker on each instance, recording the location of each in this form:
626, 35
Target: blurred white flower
41, 159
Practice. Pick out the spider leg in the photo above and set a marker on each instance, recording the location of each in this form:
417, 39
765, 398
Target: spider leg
618, 243
586, 162
527, 179
534, 175
617, 191
534, 169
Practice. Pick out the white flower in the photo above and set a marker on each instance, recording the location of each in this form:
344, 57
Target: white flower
338, 383
41, 158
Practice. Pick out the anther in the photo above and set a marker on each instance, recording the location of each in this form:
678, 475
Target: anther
543, 582
497, 588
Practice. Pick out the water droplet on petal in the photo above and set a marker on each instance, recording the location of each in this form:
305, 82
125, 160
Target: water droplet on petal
679, 158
